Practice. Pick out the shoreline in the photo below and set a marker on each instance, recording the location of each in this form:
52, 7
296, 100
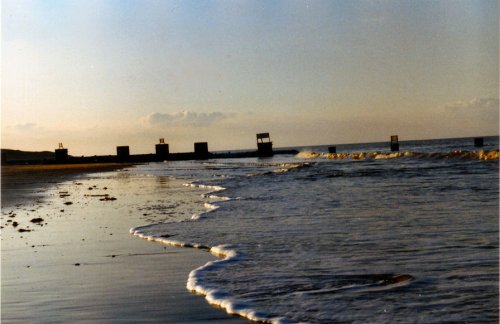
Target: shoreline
80, 263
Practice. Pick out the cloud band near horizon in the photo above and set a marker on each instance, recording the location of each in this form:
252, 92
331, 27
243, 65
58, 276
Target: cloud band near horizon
185, 118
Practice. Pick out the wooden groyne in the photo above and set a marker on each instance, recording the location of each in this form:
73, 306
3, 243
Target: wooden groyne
146, 158
161, 154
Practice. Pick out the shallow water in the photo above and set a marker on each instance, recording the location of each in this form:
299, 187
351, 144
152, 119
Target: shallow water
410, 238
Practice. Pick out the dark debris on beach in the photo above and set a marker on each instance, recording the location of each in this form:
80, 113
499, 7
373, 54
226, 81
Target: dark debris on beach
107, 199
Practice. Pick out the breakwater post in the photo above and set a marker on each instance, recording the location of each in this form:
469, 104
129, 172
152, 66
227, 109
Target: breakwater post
61, 154
123, 153
478, 142
201, 150
264, 145
394, 143
162, 150
332, 149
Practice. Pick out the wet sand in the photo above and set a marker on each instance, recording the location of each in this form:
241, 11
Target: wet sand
71, 258
23, 183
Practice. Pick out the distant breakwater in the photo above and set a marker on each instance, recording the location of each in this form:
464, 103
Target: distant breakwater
138, 158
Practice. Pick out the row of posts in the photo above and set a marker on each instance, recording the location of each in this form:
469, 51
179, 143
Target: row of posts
478, 142
162, 150
264, 148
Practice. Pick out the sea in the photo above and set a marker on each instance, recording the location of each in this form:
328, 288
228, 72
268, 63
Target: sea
365, 235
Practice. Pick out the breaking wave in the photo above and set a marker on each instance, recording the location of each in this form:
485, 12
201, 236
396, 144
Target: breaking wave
227, 255
458, 154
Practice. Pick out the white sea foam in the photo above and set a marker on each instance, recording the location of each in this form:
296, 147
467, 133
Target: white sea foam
479, 155
215, 197
310, 155
196, 283
196, 280
209, 207
202, 186
209, 195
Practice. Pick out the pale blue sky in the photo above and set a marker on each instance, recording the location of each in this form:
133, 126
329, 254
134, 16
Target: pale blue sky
95, 74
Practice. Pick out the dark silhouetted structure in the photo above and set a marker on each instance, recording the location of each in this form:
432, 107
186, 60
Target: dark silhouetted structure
201, 150
394, 143
162, 150
332, 149
264, 145
123, 153
61, 154
478, 142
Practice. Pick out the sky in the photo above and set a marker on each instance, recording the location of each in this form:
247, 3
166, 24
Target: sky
96, 74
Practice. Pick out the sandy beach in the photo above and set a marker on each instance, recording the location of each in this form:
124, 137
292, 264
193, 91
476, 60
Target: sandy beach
67, 254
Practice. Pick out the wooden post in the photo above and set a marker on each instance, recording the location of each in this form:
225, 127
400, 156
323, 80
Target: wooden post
332, 149
162, 150
478, 142
264, 145
61, 154
201, 150
123, 153
394, 143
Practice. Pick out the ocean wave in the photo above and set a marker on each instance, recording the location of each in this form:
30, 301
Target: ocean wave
209, 195
215, 197
227, 255
197, 282
203, 186
287, 167
208, 206
362, 283
281, 167
484, 155
217, 297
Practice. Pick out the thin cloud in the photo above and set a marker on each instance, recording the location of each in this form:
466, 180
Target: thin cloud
476, 104
27, 127
185, 118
